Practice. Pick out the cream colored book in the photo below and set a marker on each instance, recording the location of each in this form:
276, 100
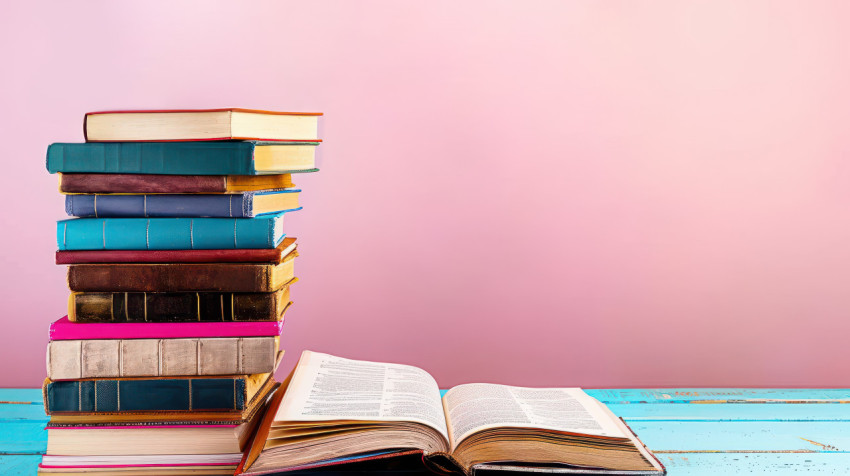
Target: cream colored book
335, 410
201, 124
111, 358
223, 464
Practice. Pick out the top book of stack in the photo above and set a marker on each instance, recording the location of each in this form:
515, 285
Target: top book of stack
201, 124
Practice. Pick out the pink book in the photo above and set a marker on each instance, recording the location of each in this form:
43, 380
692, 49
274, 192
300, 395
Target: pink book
63, 329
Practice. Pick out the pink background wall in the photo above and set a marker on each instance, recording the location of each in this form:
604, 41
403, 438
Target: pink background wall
540, 193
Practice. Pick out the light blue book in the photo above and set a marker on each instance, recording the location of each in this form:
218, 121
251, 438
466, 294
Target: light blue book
264, 232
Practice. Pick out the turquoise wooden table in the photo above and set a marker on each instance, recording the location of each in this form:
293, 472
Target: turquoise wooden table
694, 431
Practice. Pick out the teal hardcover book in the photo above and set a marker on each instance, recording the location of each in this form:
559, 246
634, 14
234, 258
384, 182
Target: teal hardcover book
264, 232
183, 158
220, 394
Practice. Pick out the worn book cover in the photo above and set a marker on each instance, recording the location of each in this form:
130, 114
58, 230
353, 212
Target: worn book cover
141, 183
141, 395
194, 277
107, 358
179, 307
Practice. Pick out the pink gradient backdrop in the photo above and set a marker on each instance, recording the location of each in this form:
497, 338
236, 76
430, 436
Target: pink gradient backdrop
539, 193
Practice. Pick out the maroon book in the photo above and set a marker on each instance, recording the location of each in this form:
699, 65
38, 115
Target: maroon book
274, 255
140, 183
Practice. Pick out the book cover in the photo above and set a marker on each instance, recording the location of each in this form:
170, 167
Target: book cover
231, 205
178, 307
64, 329
141, 183
170, 233
182, 277
200, 124
257, 255
107, 358
127, 395
174, 158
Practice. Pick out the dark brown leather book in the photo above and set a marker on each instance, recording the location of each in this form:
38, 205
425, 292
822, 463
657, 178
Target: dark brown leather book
140, 183
189, 277
178, 307
274, 255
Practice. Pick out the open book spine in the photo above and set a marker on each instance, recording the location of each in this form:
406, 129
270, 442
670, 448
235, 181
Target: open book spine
146, 395
105, 358
189, 277
177, 307
170, 233
140, 183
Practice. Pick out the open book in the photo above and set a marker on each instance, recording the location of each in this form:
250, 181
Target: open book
333, 410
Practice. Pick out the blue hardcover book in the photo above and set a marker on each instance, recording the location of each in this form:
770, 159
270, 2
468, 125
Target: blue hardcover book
232, 205
183, 158
263, 232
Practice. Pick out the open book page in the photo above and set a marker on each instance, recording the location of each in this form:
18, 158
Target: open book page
325, 388
474, 407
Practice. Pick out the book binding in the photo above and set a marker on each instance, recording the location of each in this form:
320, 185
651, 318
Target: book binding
64, 329
170, 233
105, 358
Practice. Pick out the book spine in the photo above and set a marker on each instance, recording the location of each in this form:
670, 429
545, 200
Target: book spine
64, 329
169, 233
190, 277
145, 395
110, 358
137, 183
116, 206
158, 158
271, 255
177, 307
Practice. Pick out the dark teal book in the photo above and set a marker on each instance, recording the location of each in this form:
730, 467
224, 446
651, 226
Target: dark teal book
183, 158
263, 232
216, 394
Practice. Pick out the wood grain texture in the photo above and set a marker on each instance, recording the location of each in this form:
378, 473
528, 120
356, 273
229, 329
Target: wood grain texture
719, 395
14, 465
744, 436
22, 437
731, 412
755, 464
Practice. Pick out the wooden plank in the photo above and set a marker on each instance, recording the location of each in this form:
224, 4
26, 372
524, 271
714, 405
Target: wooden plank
30, 395
731, 412
702, 395
22, 437
760, 436
13, 465
755, 464
10, 411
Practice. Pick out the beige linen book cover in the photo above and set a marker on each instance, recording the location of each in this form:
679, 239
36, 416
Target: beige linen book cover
76, 359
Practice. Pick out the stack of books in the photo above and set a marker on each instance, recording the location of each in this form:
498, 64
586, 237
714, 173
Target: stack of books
179, 272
